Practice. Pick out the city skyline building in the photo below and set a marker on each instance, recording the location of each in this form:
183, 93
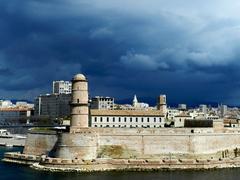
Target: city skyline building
62, 87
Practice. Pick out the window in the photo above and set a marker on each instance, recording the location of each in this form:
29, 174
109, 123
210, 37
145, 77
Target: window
101, 119
130, 119
113, 119
95, 119
107, 119
148, 119
119, 119
136, 119
154, 119
125, 119
142, 119
160, 119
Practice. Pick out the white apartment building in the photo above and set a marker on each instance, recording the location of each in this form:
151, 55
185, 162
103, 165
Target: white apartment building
171, 113
127, 118
62, 87
179, 120
195, 114
6, 104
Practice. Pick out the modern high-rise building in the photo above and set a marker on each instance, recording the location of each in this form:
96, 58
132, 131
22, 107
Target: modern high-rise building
53, 105
223, 110
182, 107
62, 87
203, 108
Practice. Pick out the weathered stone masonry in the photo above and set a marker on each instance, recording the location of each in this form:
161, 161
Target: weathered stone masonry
91, 149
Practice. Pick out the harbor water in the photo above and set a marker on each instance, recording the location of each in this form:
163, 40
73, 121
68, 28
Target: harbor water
19, 172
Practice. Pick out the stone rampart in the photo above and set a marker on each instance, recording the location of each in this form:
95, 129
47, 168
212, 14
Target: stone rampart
180, 143
92, 143
131, 143
77, 145
39, 143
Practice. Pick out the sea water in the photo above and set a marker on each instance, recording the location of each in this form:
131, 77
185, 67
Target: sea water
20, 172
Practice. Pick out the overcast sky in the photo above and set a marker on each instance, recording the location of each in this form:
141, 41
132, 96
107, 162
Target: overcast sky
186, 49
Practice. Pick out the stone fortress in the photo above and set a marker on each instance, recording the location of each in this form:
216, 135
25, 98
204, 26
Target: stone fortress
85, 148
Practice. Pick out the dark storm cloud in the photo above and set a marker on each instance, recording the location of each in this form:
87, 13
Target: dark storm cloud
186, 49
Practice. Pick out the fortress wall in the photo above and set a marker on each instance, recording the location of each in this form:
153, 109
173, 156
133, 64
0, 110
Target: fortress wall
142, 146
39, 143
95, 143
151, 131
164, 144
211, 143
142, 143
120, 146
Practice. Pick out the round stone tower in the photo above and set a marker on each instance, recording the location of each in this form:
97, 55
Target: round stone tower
79, 102
81, 142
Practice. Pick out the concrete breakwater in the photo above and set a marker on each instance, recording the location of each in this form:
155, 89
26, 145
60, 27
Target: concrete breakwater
57, 164
137, 164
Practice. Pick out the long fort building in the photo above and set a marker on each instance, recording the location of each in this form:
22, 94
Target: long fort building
86, 146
